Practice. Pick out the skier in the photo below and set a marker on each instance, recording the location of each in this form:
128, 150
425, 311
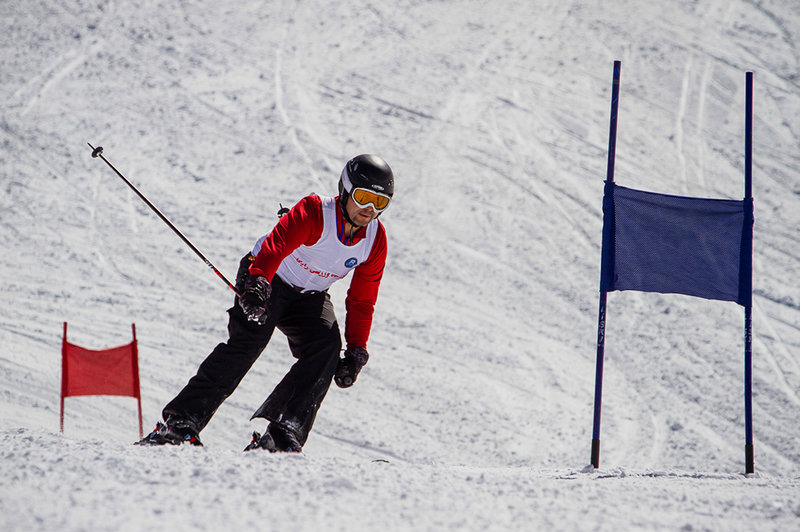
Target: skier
283, 283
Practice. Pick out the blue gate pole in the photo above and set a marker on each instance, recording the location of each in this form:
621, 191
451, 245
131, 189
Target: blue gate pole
598, 379
601, 319
748, 309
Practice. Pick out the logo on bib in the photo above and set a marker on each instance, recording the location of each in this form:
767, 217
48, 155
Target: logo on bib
352, 261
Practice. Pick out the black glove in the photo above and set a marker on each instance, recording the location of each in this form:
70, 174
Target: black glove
244, 272
349, 366
254, 298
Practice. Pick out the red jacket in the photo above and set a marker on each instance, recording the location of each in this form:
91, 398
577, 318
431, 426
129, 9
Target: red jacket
302, 226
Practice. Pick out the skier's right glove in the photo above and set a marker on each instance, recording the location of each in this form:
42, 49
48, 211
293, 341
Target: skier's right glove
349, 367
254, 298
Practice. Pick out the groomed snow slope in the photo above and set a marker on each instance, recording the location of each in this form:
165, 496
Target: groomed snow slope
475, 410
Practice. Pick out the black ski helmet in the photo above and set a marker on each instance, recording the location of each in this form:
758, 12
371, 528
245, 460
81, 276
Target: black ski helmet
365, 171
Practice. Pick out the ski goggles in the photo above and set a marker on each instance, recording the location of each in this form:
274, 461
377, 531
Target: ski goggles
364, 198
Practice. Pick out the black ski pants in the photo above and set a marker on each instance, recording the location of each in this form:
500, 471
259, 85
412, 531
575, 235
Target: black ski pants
309, 323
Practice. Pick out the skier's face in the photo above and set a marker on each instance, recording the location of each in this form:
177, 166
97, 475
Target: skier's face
360, 216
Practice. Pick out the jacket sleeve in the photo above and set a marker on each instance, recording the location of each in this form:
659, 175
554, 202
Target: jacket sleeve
363, 293
302, 225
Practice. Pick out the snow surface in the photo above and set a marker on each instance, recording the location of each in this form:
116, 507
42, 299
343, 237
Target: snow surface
475, 410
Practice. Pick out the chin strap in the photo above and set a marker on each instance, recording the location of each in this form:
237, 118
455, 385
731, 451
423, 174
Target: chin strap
342, 202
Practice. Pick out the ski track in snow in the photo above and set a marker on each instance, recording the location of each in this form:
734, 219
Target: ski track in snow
701, 108
681, 114
475, 411
779, 374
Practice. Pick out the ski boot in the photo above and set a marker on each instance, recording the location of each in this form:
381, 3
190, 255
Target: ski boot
277, 439
173, 433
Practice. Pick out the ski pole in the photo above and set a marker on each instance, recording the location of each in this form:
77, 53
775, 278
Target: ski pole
98, 152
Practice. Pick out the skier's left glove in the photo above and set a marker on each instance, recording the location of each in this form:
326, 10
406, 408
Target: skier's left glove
348, 368
254, 298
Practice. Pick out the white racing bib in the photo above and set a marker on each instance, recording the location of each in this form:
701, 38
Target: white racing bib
317, 267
